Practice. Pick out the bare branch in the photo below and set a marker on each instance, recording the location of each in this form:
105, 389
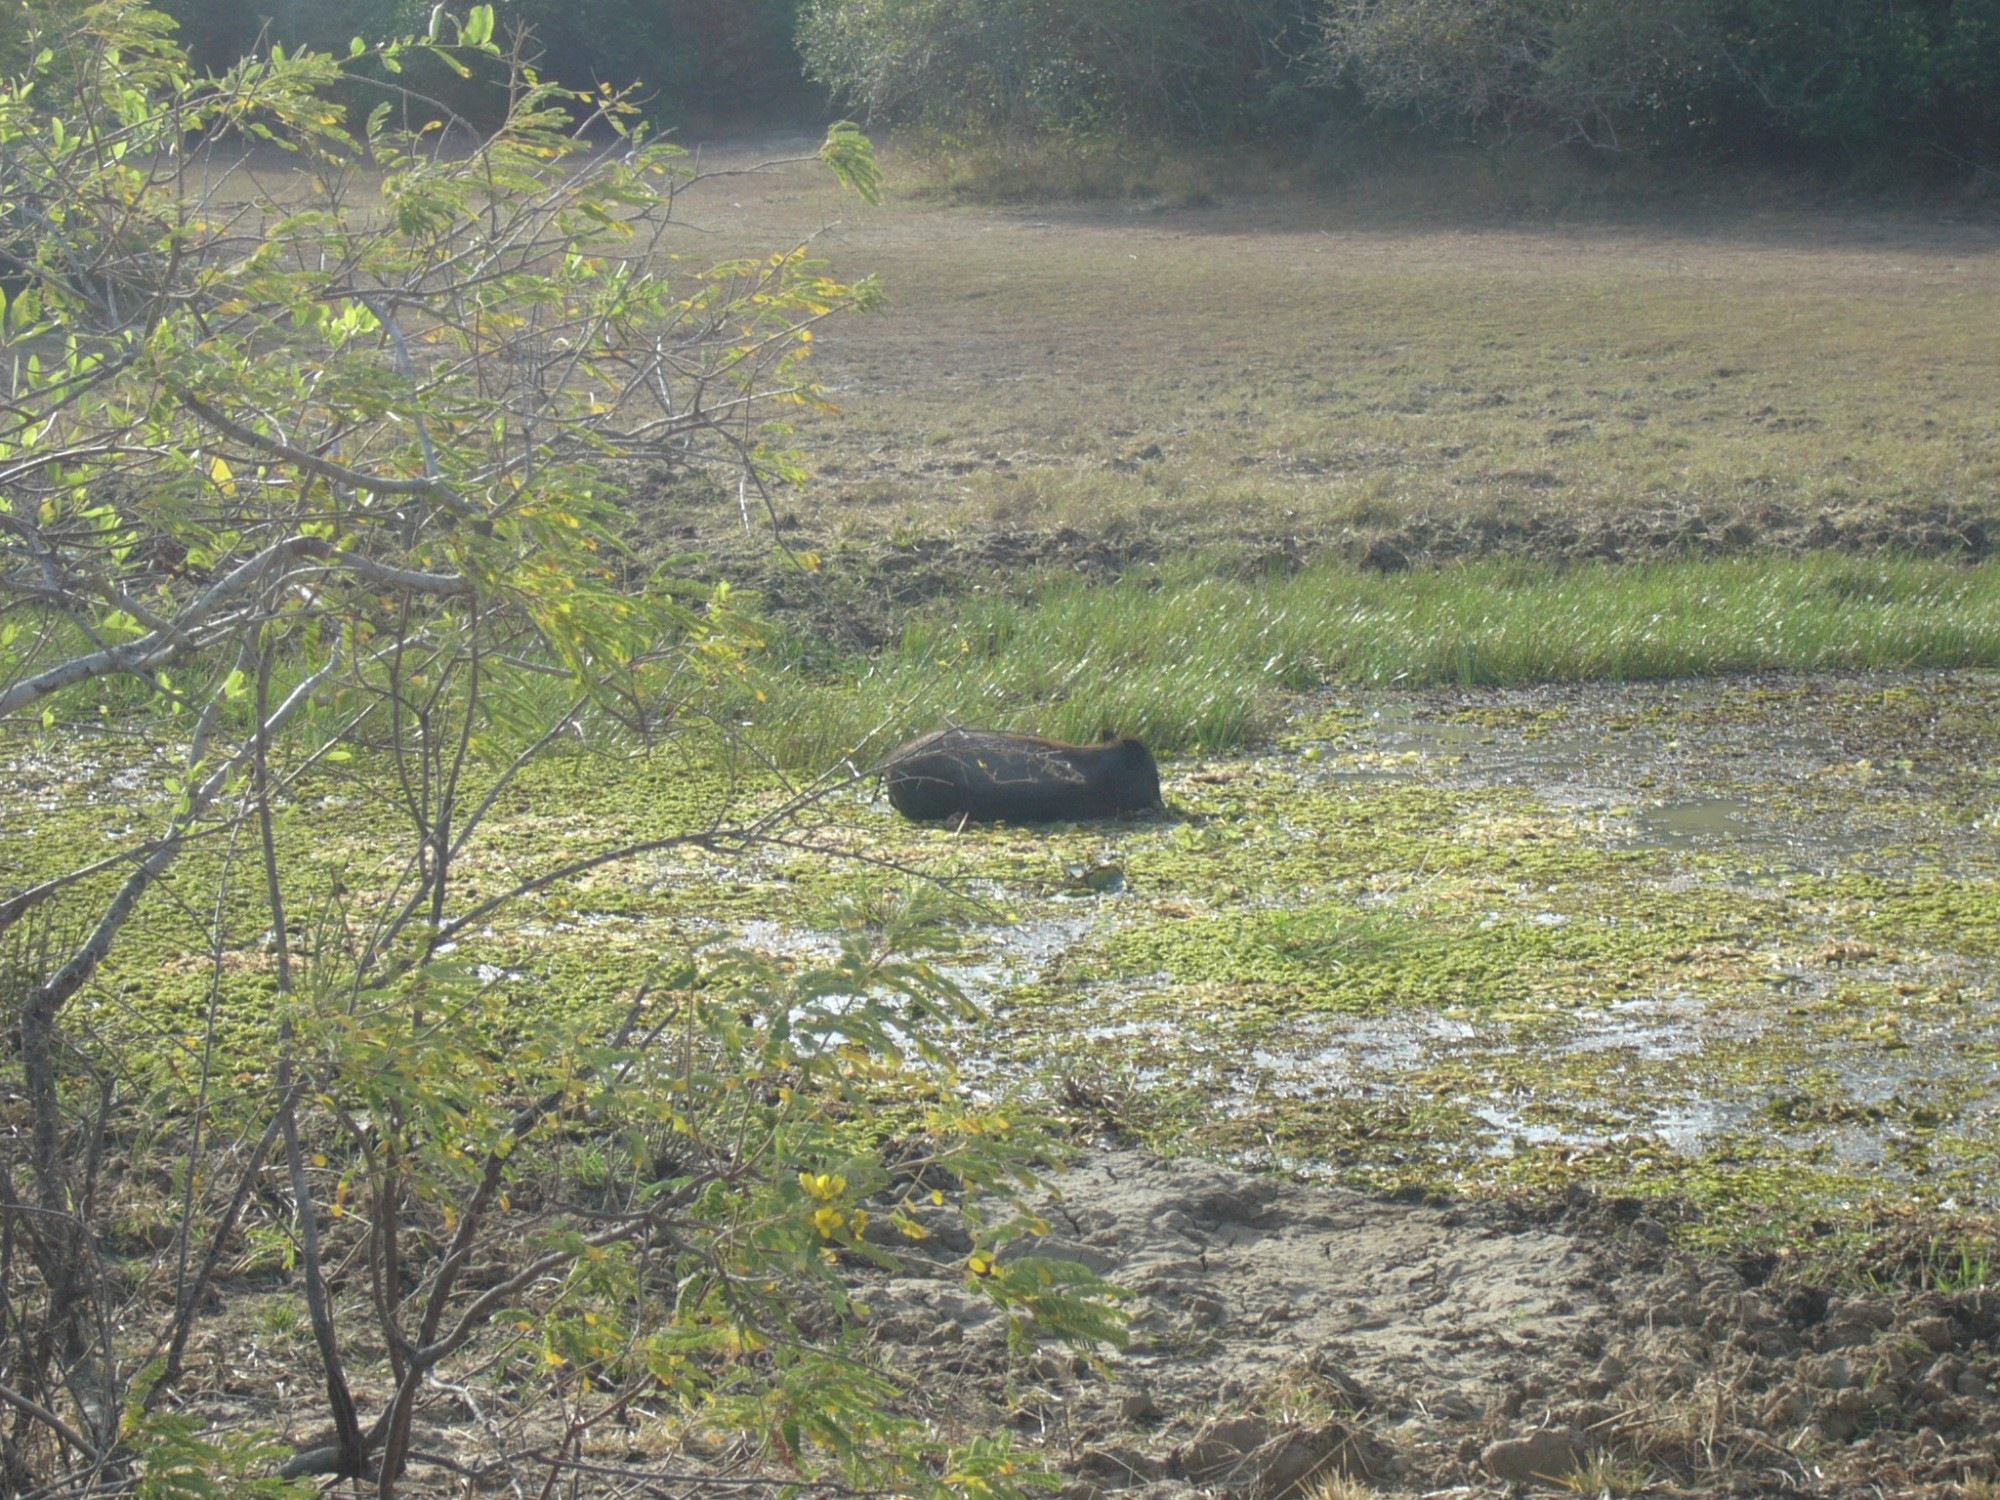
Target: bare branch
50, 1420
178, 639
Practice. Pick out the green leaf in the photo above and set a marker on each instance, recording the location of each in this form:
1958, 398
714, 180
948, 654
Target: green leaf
23, 313
850, 156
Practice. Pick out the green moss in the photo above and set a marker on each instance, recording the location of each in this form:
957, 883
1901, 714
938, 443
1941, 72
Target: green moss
1383, 961
1328, 956
1926, 909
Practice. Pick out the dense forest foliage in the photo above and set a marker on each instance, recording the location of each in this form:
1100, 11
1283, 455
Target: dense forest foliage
1838, 83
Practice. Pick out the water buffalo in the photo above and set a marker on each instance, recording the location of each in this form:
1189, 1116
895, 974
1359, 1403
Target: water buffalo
1019, 778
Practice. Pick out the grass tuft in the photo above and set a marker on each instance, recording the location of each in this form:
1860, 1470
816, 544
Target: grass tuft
1607, 1474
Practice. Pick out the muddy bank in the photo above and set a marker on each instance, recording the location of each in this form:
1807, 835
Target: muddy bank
874, 569
1298, 1342
1651, 534
1285, 1335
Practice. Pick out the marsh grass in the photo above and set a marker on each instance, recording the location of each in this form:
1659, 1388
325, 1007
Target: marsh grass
1194, 662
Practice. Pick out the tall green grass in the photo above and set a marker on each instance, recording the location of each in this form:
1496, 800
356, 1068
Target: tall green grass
1195, 662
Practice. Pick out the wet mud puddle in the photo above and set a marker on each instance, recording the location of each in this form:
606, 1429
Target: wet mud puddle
1736, 941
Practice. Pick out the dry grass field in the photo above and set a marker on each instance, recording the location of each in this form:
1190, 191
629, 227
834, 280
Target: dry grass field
1298, 371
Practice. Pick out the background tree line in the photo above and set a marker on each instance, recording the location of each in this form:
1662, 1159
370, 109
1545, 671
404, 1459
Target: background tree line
1773, 81
1838, 83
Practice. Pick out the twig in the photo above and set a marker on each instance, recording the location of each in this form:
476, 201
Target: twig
49, 1419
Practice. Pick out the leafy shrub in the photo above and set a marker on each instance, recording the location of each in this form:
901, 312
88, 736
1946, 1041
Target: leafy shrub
315, 468
1755, 79
1191, 68
707, 59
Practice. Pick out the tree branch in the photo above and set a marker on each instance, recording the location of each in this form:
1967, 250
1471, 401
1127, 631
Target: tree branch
178, 639
48, 1419
325, 468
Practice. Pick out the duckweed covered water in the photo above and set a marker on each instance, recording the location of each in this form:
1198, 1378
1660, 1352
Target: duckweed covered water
1733, 942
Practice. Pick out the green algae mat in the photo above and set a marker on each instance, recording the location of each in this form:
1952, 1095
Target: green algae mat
1731, 944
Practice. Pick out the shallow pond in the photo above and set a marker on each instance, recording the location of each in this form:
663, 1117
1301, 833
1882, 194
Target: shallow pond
1738, 942
1734, 942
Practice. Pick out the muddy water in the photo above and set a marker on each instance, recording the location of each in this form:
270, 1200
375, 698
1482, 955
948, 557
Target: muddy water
1765, 949
1734, 941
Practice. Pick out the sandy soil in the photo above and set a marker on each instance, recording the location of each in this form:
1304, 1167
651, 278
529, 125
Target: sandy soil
1287, 1336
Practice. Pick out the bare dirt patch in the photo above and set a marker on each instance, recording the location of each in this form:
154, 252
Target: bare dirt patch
1285, 1335
1291, 1340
